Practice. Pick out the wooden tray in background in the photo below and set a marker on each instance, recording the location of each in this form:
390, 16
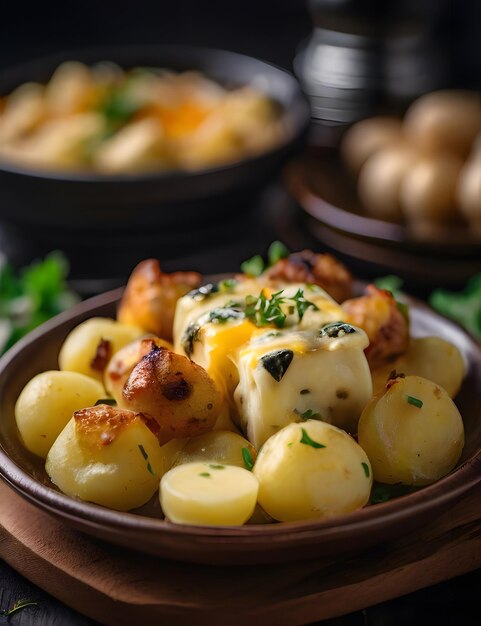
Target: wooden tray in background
120, 588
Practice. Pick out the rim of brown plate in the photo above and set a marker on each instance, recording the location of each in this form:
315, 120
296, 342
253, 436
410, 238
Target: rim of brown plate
434, 496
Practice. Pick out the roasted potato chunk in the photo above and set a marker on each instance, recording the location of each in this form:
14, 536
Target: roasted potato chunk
123, 362
175, 392
150, 297
108, 456
319, 269
385, 323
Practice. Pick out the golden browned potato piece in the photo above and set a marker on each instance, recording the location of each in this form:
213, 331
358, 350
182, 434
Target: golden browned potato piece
319, 269
108, 456
150, 297
444, 121
368, 136
175, 392
386, 325
123, 362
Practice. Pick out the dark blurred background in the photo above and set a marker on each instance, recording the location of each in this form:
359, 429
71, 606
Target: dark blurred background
270, 29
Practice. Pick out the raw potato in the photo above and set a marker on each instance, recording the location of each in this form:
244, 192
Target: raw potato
218, 447
380, 181
47, 403
428, 190
176, 392
407, 443
299, 481
89, 347
107, 456
123, 362
469, 191
433, 358
368, 136
444, 121
208, 494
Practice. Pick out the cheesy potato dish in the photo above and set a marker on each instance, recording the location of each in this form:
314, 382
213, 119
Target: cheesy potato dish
254, 399
112, 121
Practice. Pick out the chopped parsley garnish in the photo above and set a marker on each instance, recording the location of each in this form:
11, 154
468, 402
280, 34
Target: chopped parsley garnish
365, 467
277, 363
189, 338
205, 474
308, 441
336, 329
414, 401
263, 310
463, 306
302, 305
109, 401
390, 283
277, 251
216, 466
19, 605
247, 457
308, 415
254, 266
146, 458
227, 285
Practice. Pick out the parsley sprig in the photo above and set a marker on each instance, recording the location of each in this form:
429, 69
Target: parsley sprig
267, 311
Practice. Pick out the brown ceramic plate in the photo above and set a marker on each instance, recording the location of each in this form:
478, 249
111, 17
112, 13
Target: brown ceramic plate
326, 191
245, 544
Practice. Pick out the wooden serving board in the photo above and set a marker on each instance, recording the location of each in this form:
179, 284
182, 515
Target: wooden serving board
119, 587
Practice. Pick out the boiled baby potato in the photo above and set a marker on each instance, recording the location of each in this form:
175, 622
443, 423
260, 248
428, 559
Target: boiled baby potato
171, 451
366, 137
444, 121
413, 433
108, 456
90, 345
219, 446
428, 190
24, 110
123, 362
175, 392
433, 358
71, 89
208, 494
469, 191
312, 470
47, 403
380, 180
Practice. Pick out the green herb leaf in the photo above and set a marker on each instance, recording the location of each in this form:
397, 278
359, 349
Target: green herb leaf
464, 306
222, 315
414, 401
19, 605
302, 305
146, 457
263, 311
307, 415
365, 467
390, 283
277, 251
247, 457
254, 266
308, 441
204, 291
216, 466
227, 285
205, 474
277, 363
109, 401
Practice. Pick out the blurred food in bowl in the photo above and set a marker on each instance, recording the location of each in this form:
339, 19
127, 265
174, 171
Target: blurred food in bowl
105, 119
424, 170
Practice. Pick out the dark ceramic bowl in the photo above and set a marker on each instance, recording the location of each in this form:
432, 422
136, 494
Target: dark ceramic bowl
284, 542
114, 221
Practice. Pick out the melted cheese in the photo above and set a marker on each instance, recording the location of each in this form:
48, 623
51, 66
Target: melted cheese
328, 376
